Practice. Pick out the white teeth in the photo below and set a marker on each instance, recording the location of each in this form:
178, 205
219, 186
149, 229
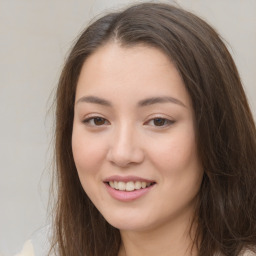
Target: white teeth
116, 184
138, 185
129, 186
112, 185
121, 185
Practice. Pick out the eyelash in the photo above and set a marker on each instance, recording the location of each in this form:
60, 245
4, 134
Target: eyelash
164, 122
87, 121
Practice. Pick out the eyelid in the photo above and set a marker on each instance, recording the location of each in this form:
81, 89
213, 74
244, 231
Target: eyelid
170, 121
91, 117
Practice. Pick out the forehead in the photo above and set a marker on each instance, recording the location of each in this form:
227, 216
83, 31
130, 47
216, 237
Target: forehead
131, 71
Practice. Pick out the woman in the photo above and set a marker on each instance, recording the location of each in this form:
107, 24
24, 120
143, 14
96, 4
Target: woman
155, 141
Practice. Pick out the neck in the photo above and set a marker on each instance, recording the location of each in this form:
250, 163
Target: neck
174, 239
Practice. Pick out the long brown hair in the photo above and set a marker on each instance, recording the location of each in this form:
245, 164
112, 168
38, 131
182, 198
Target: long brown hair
226, 134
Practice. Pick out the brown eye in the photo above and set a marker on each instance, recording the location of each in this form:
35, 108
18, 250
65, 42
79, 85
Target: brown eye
159, 121
95, 121
99, 121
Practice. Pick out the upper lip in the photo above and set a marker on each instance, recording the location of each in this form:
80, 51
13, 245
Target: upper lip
126, 179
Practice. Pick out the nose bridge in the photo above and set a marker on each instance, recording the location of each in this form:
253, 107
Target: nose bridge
125, 147
125, 136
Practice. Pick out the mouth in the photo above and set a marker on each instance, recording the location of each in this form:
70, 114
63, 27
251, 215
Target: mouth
129, 186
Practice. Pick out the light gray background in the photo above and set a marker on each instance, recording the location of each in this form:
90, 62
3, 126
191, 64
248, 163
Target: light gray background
35, 36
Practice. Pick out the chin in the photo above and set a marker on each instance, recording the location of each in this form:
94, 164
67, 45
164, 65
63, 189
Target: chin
124, 225
129, 222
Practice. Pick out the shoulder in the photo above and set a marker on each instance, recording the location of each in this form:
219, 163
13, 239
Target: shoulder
248, 252
245, 252
39, 244
41, 241
28, 249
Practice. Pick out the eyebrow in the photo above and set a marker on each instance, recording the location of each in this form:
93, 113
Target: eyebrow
156, 100
142, 103
95, 100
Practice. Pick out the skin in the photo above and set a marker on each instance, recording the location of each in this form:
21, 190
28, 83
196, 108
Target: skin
154, 141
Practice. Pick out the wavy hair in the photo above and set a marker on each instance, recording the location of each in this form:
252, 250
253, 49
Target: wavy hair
226, 134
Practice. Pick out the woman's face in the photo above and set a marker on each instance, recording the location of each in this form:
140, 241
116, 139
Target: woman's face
133, 138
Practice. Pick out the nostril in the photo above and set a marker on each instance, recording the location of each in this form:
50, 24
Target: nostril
125, 157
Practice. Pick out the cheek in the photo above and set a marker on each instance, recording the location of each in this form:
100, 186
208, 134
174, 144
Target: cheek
176, 152
176, 158
88, 152
180, 172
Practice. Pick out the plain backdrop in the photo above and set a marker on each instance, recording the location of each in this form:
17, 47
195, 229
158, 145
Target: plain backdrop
35, 37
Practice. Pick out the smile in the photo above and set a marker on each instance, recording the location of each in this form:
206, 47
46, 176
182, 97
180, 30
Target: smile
130, 185
128, 188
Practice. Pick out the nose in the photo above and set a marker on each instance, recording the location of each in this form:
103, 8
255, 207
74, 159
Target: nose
125, 149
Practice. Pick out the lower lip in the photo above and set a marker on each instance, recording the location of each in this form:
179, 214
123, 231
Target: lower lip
126, 196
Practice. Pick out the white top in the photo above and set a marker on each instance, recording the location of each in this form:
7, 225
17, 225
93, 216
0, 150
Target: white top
39, 245
29, 250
